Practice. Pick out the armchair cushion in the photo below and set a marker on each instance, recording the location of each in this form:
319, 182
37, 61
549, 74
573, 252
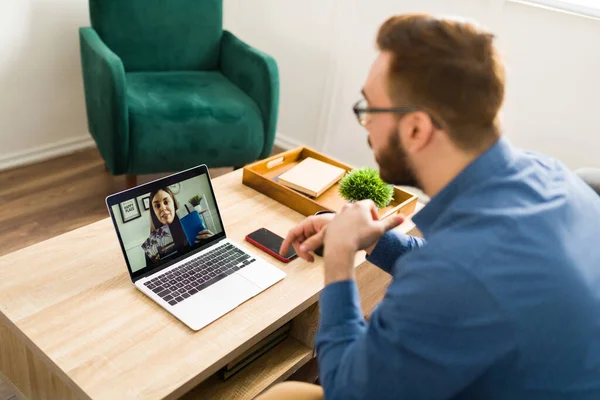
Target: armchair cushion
201, 117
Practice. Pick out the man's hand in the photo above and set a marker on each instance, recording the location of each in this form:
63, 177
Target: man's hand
308, 228
356, 227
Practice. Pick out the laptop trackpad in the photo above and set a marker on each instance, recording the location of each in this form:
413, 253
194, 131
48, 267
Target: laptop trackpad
262, 274
213, 302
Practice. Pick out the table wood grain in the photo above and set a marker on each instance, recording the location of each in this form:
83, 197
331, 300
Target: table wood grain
69, 304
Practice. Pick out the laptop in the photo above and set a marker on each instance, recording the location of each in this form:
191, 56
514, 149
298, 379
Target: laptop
177, 252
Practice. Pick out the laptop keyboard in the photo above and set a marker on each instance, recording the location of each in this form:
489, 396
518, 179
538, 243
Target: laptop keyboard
188, 279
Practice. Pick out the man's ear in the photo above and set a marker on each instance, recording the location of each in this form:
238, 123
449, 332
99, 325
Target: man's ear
416, 131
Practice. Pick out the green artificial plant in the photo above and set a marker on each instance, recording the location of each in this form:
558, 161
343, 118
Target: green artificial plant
365, 183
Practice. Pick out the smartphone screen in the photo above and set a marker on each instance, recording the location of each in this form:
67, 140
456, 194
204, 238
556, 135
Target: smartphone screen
271, 241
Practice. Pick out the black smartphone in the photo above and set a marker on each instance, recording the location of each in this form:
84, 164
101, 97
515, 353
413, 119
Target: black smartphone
270, 242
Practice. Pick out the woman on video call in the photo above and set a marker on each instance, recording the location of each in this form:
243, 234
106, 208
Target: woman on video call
164, 206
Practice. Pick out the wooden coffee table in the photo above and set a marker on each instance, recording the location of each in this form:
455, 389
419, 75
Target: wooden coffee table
72, 325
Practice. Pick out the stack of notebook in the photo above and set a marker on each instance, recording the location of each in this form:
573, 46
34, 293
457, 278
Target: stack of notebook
253, 353
311, 177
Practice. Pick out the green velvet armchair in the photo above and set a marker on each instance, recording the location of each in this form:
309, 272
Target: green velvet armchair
166, 88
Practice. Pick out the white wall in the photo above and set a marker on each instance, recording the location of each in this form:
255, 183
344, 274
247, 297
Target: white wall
298, 35
553, 102
42, 109
324, 49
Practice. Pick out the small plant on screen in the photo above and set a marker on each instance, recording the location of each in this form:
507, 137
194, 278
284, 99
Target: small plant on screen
195, 201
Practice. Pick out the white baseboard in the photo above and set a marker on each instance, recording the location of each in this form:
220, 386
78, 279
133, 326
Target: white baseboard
68, 146
286, 143
45, 152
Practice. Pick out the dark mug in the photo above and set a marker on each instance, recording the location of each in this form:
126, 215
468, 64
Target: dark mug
319, 251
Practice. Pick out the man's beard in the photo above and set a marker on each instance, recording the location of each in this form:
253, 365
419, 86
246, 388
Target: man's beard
394, 166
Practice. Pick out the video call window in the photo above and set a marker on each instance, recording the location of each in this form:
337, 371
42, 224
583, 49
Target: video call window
167, 222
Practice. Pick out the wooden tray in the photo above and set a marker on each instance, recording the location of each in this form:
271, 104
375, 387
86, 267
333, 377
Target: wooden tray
262, 176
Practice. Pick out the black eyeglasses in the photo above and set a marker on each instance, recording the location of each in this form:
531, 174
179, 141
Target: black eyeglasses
362, 110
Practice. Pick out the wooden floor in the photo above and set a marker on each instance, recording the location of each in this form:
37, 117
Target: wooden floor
40, 201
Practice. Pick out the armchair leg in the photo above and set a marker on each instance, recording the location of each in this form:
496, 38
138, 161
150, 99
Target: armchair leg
130, 181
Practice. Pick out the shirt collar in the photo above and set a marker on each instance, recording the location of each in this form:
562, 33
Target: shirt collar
484, 166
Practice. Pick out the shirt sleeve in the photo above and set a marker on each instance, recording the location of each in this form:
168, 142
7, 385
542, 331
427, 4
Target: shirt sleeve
391, 246
434, 333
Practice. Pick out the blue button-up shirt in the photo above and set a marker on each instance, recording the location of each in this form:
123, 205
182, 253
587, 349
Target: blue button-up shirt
502, 300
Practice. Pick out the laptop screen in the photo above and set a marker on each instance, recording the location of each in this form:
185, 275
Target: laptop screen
164, 220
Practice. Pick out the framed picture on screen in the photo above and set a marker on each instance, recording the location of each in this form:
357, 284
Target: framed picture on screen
129, 210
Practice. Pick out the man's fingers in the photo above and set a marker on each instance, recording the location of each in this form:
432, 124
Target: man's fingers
374, 213
368, 203
392, 221
291, 241
313, 242
291, 237
305, 255
299, 233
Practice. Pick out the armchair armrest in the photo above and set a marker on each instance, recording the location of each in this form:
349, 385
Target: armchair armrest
257, 75
104, 84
